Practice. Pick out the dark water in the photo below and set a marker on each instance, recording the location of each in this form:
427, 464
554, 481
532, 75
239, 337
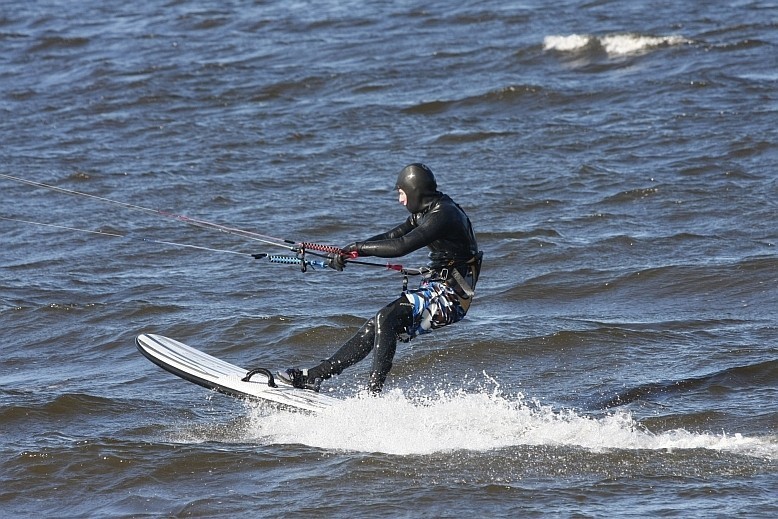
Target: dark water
618, 159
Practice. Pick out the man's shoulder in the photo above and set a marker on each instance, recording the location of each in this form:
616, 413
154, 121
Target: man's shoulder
442, 211
446, 204
440, 202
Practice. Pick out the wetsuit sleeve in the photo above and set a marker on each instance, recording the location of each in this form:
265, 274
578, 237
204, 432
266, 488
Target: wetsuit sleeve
389, 245
401, 230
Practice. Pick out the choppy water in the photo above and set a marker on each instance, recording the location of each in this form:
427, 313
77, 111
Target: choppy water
618, 160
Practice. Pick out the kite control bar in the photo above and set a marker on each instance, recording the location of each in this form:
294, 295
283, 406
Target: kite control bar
330, 249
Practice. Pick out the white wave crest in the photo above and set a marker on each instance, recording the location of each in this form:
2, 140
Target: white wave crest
569, 43
613, 44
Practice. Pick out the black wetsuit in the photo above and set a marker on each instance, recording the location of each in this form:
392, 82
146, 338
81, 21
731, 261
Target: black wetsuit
455, 263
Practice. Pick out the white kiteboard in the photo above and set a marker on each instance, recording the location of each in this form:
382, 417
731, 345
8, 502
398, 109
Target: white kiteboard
212, 373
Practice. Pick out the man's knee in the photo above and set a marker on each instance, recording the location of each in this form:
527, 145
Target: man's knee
397, 315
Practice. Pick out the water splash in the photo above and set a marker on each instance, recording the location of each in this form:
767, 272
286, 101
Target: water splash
397, 424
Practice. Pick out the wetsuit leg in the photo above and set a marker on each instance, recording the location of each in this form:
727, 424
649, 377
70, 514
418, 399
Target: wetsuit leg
354, 350
391, 320
381, 333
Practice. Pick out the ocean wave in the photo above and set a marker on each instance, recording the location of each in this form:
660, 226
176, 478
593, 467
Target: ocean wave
764, 374
53, 42
503, 95
61, 407
460, 137
631, 195
737, 278
612, 44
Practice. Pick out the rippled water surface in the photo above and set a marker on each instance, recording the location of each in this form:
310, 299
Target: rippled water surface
619, 163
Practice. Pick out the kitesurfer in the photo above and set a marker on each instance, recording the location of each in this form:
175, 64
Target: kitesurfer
445, 292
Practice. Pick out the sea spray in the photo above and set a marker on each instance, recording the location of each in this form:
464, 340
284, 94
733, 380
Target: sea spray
395, 423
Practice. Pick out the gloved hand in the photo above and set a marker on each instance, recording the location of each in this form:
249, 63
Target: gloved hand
351, 247
336, 261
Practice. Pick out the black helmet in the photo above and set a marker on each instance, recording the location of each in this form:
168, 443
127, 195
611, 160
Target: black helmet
419, 185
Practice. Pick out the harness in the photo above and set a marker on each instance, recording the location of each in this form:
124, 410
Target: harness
451, 272
474, 267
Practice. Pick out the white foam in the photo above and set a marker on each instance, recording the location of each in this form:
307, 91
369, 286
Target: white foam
621, 44
397, 424
612, 44
569, 43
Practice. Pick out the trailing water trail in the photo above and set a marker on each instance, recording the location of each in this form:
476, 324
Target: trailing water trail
399, 424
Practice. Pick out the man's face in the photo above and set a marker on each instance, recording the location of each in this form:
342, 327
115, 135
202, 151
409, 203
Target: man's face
403, 198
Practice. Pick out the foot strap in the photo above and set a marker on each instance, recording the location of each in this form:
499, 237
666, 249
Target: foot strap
271, 381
